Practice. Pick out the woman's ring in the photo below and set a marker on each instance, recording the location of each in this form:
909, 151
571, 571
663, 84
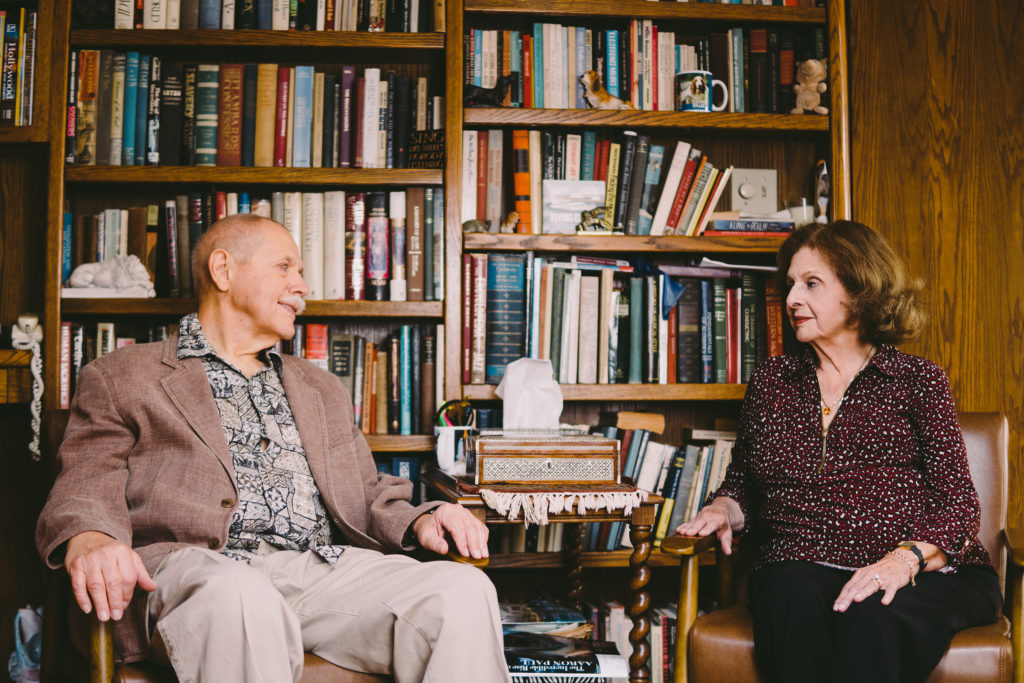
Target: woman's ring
877, 580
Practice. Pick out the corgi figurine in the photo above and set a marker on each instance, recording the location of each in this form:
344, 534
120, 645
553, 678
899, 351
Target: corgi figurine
597, 97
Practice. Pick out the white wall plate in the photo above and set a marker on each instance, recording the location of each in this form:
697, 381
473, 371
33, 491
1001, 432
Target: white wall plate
755, 190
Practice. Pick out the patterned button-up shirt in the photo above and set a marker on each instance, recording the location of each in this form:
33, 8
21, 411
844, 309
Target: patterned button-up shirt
894, 465
278, 501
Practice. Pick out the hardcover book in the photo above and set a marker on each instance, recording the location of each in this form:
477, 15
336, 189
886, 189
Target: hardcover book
426, 149
171, 114
543, 654
266, 99
207, 87
506, 314
355, 246
229, 115
377, 245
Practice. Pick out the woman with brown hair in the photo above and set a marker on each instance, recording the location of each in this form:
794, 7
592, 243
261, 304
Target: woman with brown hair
851, 475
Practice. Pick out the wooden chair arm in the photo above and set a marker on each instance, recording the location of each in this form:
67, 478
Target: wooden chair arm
687, 545
101, 650
465, 559
1014, 539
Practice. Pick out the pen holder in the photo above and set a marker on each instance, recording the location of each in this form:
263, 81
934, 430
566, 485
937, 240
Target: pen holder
452, 444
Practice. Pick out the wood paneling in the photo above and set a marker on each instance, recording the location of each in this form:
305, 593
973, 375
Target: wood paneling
21, 498
22, 223
937, 88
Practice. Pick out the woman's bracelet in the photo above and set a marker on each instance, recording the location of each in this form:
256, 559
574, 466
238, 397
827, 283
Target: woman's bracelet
910, 565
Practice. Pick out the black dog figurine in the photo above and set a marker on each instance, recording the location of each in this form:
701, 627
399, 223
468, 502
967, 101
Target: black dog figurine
475, 96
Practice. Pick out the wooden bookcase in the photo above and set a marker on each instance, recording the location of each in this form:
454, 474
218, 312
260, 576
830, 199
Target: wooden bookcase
88, 188
790, 143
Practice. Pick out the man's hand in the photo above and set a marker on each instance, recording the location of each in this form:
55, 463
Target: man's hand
104, 573
468, 532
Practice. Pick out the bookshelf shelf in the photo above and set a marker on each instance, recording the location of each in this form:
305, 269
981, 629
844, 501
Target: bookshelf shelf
652, 10
619, 243
627, 392
314, 309
614, 558
389, 443
20, 134
290, 40
263, 176
725, 121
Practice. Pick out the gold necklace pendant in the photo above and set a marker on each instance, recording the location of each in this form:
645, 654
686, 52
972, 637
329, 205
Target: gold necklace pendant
825, 410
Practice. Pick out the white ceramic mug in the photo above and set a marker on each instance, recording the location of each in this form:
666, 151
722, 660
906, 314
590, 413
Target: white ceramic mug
693, 91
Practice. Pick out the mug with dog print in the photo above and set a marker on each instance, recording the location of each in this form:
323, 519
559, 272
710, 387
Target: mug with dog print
694, 89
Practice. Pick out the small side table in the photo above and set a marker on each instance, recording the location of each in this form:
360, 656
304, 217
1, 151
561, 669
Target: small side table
15, 376
641, 524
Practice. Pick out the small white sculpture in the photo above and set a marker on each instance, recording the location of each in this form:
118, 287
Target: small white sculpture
124, 276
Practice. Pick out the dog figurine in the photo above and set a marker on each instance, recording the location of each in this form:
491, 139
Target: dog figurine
597, 97
475, 96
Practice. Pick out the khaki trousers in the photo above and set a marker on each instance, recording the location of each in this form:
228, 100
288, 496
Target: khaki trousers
218, 619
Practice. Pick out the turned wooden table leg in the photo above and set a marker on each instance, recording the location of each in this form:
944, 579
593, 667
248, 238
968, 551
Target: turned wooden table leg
574, 564
640, 535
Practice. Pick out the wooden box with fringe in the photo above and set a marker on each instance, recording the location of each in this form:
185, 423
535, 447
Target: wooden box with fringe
544, 459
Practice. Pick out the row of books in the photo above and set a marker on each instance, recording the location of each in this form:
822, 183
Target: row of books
81, 343
684, 476
127, 108
638, 63
394, 382
279, 15
559, 174
603, 321
17, 65
381, 246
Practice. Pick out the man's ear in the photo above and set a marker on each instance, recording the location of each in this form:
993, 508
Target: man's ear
221, 268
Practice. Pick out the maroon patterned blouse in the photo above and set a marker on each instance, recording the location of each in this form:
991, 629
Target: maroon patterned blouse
895, 467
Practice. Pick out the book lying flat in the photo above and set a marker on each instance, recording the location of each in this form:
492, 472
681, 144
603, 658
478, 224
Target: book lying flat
540, 616
535, 654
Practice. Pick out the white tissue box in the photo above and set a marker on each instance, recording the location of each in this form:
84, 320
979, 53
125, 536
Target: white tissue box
543, 459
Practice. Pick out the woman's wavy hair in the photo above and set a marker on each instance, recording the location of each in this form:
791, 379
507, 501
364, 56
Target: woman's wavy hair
885, 305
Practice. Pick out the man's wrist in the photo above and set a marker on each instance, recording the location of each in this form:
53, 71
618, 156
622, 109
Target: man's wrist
410, 533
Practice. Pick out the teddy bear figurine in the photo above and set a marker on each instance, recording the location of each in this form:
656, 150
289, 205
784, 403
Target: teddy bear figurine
810, 84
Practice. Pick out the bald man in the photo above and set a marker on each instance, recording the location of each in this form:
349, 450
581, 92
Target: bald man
217, 502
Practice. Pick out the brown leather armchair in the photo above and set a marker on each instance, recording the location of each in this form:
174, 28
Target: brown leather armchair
62, 661
719, 646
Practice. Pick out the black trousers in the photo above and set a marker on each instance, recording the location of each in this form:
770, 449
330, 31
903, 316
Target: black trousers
798, 637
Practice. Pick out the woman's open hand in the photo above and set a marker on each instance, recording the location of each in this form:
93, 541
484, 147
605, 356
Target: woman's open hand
719, 518
887, 575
